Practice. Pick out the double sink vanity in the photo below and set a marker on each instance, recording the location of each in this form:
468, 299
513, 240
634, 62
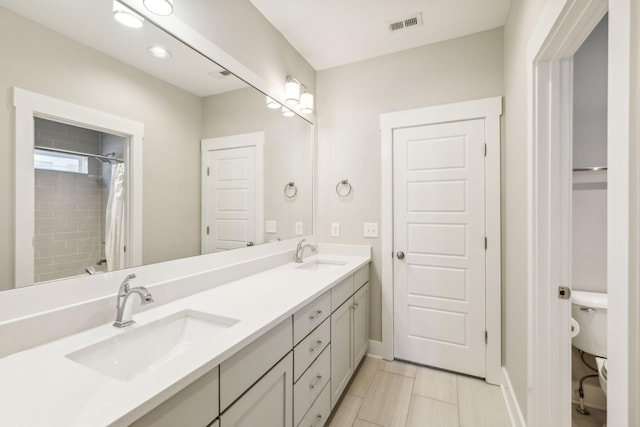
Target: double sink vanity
276, 348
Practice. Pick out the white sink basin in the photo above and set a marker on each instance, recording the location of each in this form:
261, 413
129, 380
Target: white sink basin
143, 349
321, 265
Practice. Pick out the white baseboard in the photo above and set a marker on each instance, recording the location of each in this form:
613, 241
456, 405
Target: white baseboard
517, 419
375, 349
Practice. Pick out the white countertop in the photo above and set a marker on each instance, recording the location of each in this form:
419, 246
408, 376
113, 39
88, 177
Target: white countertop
41, 386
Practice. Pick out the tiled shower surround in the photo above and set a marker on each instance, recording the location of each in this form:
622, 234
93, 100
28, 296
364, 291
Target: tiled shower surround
69, 207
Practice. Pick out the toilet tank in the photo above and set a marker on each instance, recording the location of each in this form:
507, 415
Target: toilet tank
589, 309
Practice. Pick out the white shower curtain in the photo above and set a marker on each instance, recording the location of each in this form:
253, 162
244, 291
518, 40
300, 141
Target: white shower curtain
114, 221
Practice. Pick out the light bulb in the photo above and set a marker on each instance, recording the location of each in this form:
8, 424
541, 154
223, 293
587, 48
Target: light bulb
126, 16
292, 92
272, 103
159, 7
159, 52
306, 103
287, 112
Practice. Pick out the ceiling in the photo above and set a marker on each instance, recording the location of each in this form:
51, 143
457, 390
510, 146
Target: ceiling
329, 33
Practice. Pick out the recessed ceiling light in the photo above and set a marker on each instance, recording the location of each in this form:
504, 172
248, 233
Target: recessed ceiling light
159, 7
126, 16
159, 52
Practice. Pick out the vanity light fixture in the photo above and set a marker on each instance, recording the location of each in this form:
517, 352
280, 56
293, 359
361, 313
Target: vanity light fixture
272, 103
306, 102
292, 91
126, 16
296, 93
159, 7
159, 52
287, 112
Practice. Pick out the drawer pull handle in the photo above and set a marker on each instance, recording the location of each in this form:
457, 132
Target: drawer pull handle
315, 315
315, 347
315, 383
587, 309
318, 421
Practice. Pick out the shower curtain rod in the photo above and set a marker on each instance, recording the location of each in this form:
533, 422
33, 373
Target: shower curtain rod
78, 153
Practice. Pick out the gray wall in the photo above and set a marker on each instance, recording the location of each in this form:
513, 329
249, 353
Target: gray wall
42, 61
521, 20
350, 101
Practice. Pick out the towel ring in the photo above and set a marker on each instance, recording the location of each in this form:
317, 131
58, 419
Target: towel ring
343, 188
290, 190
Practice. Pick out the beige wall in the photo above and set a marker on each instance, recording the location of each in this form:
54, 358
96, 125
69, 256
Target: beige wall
521, 20
350, 101
45, 62
288, 154
244, 33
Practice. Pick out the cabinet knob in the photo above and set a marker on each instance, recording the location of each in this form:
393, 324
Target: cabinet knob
400, 255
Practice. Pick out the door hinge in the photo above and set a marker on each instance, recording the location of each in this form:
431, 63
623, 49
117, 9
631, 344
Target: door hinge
208, 171
486, 337
207, 230
485, 244
485, 149
392, 254
125, 248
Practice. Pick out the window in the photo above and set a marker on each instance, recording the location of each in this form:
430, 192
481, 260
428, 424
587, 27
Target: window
60, 162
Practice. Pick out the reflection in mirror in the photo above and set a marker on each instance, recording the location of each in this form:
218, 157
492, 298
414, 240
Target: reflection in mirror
74, 51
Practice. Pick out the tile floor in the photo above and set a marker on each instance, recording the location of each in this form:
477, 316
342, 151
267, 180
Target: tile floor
390, 394
596, 419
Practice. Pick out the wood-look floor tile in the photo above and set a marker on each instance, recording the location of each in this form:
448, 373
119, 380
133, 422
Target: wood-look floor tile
361, 423
387, 401
481, 404
346, 412
364, 376
425, 412
436, 384
397, 367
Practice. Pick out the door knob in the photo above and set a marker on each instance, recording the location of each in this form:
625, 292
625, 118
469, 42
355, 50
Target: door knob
400, 255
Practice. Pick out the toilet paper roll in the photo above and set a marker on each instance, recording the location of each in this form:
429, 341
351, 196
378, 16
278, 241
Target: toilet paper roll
575, 327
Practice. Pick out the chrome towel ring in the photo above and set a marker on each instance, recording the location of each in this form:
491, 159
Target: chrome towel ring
343, 188
290, 190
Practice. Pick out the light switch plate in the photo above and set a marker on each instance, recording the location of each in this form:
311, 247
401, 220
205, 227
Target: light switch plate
335, 229
270, 226
299, 229
370, 229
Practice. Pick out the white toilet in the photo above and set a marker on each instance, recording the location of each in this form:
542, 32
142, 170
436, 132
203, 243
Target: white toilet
589, 309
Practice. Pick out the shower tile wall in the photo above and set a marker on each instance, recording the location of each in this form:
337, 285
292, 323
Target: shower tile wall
69, 215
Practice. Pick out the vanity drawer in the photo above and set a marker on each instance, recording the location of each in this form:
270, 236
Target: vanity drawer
341, 292
307, 318
319, 412
310, 347
360, 277
245, 367
195, 405
310, 384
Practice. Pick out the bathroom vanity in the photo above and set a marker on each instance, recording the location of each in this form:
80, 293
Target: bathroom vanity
275, 348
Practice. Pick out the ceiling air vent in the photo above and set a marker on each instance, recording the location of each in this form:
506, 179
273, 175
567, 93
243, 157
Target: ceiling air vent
410, 21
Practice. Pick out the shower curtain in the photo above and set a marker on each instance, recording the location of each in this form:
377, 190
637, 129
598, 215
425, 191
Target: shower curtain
114, 221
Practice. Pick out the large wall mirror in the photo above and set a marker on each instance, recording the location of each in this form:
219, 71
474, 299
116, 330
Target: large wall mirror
207, 167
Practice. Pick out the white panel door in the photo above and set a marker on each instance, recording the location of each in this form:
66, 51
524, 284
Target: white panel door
231, 198
439, 227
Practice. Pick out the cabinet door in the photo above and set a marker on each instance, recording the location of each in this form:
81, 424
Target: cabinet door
360, 324
341, 350
267, 403
196, 405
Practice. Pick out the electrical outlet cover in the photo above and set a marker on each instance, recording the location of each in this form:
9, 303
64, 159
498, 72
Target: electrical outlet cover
299, 229
370, 229
335, 229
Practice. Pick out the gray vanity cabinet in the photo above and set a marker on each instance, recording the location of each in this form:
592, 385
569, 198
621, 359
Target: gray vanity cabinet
349, 329
268, 402
196, 405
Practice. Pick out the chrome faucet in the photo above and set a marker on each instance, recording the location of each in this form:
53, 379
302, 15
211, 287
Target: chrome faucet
125, 311
300, 249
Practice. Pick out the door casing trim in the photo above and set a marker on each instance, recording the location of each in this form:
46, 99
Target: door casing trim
489, 109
